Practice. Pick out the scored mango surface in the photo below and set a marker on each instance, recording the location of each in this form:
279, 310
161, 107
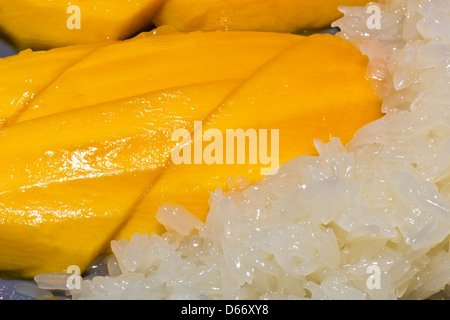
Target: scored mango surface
86, 131
255, 15
45, 24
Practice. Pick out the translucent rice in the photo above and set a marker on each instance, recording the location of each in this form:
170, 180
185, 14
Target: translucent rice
367, 221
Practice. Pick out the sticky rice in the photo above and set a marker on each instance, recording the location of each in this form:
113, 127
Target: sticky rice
370, 220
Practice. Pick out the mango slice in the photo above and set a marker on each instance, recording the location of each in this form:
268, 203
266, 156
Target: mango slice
42, 25
38, 24
23, 81
314, 90
151, 64
70, 178
256, 15
87, 156
98, 120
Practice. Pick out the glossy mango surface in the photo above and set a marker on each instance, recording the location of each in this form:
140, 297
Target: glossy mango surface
45, 24
255, 15
86, 133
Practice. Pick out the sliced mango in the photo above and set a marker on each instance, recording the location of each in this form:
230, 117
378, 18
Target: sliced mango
315, 89
125, 136
256, 15
153, 63
88, 157
39, 24
70, 179
100, 122
22, 81
44, 229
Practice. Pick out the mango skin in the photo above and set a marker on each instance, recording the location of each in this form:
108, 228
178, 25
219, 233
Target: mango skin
43, 24
254, 15
86, 155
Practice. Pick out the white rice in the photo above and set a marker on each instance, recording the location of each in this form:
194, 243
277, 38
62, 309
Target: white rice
366, 221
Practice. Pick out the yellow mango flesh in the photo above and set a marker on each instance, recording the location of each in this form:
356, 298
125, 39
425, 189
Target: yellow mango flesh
44, 24
314, 90
22, 81
145, 65
87, 157
256, 15
69, 149
65, 190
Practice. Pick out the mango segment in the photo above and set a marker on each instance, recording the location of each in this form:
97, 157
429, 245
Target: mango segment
315, 90
126, 136
22, 81
67, 188
153, 63
43, 229
256, 15
99, 121
41, 25
88, 158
